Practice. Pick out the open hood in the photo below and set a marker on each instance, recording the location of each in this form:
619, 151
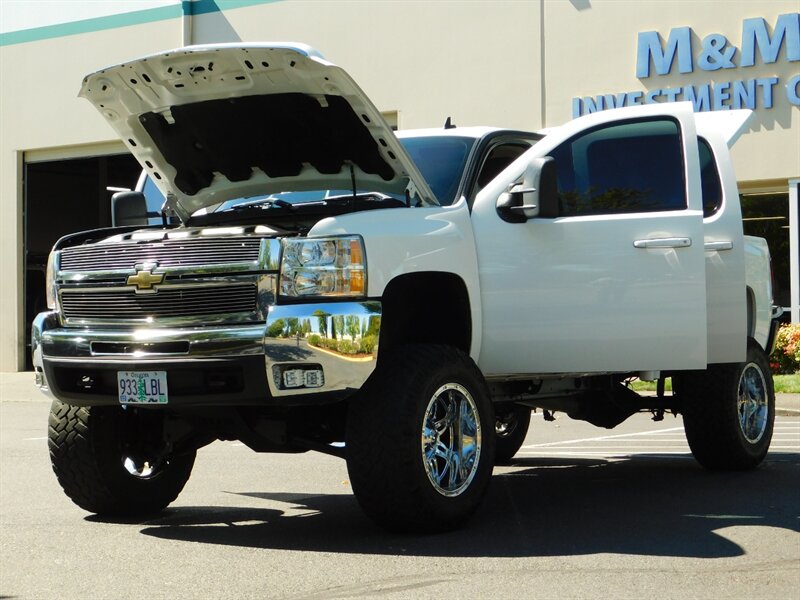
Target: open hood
210, 123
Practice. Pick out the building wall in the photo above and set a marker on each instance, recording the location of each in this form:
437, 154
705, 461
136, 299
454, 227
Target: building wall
591, 50
506, 62
474, 61
41, 115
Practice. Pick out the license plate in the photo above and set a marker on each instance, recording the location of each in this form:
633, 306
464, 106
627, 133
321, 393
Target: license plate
142, 387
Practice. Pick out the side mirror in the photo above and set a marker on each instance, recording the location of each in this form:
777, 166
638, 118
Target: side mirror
128, 208
536, 196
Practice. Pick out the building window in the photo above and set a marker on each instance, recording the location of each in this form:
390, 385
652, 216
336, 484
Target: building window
767, 216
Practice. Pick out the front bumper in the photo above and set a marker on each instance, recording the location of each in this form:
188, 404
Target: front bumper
254, 364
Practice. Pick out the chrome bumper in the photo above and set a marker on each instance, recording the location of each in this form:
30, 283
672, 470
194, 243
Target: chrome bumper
276, 359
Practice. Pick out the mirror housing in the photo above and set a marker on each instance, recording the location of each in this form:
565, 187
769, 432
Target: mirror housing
128, 208
536, 196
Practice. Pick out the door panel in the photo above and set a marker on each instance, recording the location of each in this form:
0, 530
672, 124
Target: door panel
618, 283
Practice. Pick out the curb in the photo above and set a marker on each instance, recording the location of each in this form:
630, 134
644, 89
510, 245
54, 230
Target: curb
787, 412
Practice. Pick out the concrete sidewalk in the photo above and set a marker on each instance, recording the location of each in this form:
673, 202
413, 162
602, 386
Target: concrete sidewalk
19, 387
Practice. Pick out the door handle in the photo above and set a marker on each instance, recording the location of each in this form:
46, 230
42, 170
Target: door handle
672, 242
720, 245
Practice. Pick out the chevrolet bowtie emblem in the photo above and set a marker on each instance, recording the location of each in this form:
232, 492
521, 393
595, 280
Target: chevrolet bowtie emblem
144, 280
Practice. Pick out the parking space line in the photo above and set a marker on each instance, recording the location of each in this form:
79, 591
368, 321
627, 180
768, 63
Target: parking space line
602, 437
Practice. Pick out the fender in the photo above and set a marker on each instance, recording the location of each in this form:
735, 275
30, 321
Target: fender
414, 240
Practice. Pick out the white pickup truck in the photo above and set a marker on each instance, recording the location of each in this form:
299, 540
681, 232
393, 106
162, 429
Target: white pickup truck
401, 301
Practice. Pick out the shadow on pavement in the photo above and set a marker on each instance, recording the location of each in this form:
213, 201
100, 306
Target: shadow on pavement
641, 505
289, 351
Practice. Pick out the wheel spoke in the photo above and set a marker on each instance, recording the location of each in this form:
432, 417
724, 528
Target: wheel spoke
449, 406
752, 403
451, 440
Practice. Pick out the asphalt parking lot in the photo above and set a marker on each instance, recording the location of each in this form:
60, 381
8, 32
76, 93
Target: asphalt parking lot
581, 512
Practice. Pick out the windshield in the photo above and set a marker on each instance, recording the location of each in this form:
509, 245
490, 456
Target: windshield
441, 161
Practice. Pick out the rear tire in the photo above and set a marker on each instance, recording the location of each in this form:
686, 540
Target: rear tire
729, 412
112, 461
420, 440
511, 427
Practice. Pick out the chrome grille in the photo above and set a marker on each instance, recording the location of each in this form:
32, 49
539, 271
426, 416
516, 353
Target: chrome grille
167, 253
121, 305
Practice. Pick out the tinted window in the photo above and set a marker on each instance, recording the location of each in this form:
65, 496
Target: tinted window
622, 168
155, 200
709, 178
441, 161
498, 158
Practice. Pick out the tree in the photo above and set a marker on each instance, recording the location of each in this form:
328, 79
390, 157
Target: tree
374, 325
337, 326
276, 329
292, 326
322, 317
353, 326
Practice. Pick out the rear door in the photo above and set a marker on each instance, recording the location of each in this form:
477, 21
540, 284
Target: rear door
616, 282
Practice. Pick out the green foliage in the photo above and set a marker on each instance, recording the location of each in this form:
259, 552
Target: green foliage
637, 385
329, 343
347, 347
337, 326
785, 359
374, 327
322, 321
293, 326
276, 329
787, 384
784, 384
353, 326
366, 345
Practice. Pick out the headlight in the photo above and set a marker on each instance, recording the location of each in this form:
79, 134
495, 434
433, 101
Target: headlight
50, 281
329, 267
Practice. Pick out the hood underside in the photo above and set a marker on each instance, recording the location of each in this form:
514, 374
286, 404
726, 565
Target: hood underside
218, 122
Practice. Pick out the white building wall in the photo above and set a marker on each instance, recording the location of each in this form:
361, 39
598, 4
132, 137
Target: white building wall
478, 62
40, 110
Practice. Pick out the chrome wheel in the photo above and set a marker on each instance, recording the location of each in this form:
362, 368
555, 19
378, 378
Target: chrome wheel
142, 468
451, 439
109, 461
752, 403
506, 424
729, 411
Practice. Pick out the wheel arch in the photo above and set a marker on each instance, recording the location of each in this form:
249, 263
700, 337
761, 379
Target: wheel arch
751, 314
426, 307
758, 320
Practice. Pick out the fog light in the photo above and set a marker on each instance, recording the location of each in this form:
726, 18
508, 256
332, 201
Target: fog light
313, 378
293, 378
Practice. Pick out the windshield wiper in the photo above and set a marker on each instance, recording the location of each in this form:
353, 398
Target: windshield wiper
270, 202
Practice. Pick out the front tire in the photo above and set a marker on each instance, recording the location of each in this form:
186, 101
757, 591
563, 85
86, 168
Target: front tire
420, 440
112, 461
729, 412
